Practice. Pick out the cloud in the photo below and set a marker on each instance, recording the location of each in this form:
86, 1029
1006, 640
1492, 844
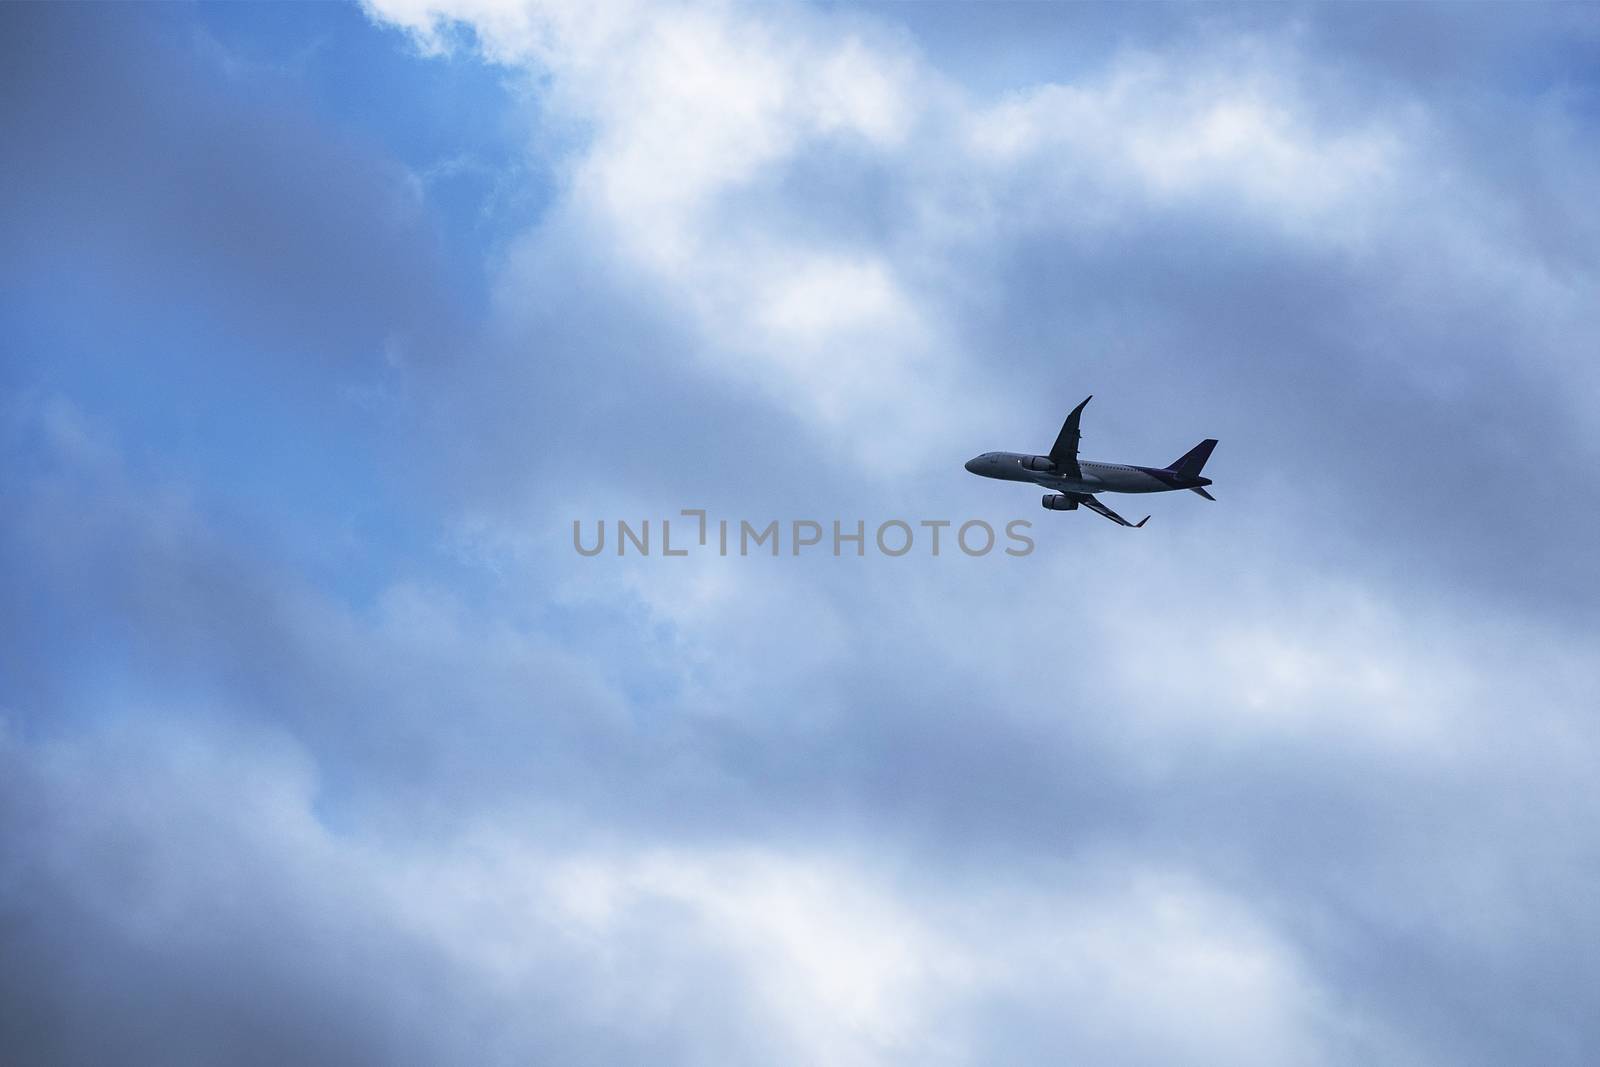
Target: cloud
1298, 776
859, 268
920, 862
200, 864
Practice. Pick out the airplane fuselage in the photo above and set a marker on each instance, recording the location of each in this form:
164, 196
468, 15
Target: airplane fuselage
1094, 478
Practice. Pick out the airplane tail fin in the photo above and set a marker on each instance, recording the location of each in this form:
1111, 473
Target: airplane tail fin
1189, 464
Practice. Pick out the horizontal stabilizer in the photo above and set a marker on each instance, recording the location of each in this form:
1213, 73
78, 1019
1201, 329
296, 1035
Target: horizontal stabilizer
1202, 492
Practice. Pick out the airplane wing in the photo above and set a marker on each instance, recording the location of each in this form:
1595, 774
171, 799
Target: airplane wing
1064, 453
1094, 505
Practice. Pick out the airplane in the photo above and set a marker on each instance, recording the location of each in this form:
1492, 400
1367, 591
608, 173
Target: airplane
1074, 482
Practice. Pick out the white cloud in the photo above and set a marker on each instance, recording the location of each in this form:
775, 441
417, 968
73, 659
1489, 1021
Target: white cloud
690, 106
694, 115
809, 955
1240, 135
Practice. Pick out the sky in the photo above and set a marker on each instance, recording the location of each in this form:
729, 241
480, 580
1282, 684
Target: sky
321, 326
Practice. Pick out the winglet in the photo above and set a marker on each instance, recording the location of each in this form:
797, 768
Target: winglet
1141, 522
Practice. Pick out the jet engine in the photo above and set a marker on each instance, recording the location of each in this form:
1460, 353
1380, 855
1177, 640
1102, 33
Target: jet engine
1059, 502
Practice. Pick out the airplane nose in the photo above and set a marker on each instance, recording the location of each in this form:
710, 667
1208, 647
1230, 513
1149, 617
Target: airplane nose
971, 463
